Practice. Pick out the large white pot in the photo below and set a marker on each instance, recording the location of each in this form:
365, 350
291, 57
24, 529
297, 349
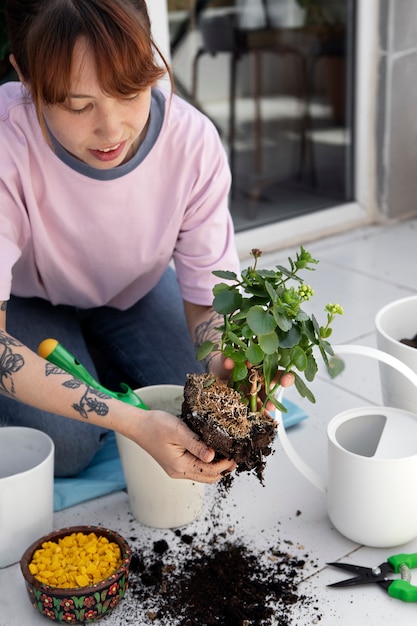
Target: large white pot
26, 489
156, 499
395, 321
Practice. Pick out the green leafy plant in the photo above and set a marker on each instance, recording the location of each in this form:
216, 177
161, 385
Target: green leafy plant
265, 329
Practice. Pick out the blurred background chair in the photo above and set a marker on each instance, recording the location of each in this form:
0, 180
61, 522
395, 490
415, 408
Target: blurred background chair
221, 32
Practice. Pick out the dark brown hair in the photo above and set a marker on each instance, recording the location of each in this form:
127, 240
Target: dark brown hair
44, 32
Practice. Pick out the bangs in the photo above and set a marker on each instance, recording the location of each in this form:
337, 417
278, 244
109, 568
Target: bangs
125, 59
118, 36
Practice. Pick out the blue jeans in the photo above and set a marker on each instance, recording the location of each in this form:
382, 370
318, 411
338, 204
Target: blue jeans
148, 344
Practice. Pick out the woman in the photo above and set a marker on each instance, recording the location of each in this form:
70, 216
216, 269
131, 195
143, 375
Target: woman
104, 180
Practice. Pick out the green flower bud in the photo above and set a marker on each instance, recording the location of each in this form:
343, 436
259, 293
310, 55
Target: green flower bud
305, 292
334, 309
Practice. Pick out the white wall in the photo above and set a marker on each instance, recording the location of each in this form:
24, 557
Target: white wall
158, 13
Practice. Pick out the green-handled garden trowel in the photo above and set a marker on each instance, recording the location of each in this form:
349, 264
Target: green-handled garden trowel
54, 352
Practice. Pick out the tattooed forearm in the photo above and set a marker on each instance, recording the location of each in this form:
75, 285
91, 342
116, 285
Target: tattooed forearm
89, 401
3, 305
11, 361
208, 331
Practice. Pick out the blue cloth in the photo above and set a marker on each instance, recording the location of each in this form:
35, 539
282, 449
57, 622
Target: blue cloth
105, 475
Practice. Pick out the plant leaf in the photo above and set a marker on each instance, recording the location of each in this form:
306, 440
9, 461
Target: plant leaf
235, 339
269, 342
301, 316
288, 273
227, 301
256, 290
282, 320
260, 321
271, 291
270, 368
299, 358
254, 353
239, 315
231, 352
316, 325
221, 287
335, 366
237, 355
291, 338
239, 371
327, 347
225, 274
267, 273
204, 350
309, 331
302, 388
278, 405
284, 357
311, 369
246, 332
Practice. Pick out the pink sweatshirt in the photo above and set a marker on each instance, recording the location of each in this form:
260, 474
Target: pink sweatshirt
76, 235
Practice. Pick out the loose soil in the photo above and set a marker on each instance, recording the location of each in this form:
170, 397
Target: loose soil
229, 586
217, 579
214, 577
217, 414
410, 342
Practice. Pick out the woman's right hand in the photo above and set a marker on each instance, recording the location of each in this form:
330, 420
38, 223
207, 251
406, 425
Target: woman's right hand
178, 449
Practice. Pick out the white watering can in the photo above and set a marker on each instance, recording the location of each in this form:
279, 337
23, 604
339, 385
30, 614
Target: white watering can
372, 466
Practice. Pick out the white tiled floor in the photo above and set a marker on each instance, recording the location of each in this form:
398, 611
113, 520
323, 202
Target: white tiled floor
362, 270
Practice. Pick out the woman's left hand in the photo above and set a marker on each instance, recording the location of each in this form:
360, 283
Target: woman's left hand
222, 367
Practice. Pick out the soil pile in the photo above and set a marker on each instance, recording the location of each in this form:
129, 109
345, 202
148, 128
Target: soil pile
229, 586
222, 582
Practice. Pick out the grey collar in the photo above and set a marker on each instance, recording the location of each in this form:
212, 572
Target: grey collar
157, 111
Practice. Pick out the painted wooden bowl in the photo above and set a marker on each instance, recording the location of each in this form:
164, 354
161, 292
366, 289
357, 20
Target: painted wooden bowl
77, 604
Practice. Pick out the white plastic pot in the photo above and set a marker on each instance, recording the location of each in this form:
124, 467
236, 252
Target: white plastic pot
156, 499
26, 490
395, 321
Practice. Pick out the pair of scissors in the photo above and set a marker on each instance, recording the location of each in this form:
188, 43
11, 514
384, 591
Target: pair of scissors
400, 588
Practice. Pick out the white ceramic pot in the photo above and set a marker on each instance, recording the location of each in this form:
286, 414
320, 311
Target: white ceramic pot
395, 321
26, 490
156, 499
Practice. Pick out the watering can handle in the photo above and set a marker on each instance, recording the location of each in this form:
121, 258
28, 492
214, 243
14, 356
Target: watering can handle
289, 450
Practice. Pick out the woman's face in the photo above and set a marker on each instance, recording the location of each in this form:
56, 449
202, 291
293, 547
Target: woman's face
100, 130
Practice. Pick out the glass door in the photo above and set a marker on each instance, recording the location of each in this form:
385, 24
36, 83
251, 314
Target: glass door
276, 78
